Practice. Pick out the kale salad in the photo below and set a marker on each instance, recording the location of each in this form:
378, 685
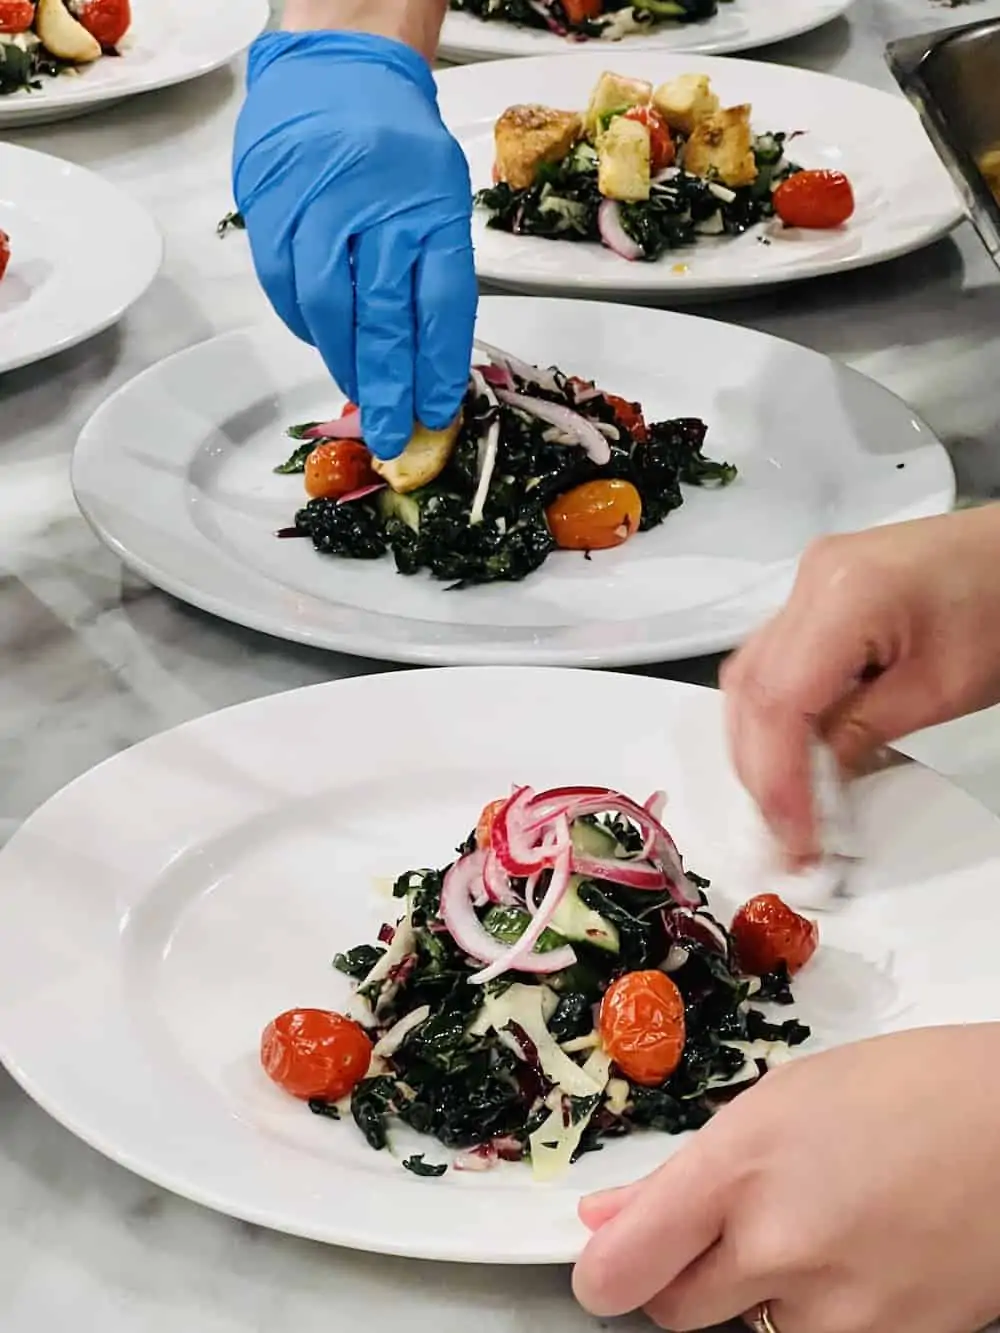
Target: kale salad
562, 982
582, 20
642, 171
537, 461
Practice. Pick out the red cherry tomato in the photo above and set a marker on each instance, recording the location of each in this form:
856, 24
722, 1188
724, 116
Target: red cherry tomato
642, 1026
767, 933
312, 1053
337, 468
107, 20
4, 253
662, 148
484, 829
629, 417
16, 15
579, 11
818, 200
348, 410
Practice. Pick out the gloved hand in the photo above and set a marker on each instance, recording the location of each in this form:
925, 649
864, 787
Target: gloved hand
358, 206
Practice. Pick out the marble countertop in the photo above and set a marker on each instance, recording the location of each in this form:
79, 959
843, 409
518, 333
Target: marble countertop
93, 660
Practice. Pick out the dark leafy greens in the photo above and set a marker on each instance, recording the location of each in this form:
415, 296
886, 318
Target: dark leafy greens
431, 528
552, 15
563, 203
22, 68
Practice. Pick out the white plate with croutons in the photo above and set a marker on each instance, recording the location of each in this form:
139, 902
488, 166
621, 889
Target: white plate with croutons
672, 178
573, 26
62, 58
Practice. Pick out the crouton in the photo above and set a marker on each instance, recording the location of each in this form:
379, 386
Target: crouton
614, 92
623, 157
422, 461
527, 137
684, 101
721, 146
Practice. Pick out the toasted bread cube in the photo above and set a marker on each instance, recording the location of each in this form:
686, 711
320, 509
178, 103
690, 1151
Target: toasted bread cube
422, 461
722, 147
623, 161
614, 92
527, 137
686, 100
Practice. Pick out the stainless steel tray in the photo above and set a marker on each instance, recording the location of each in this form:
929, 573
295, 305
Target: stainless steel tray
952, 77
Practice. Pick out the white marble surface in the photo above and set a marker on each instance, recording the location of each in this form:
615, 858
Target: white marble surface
91, 661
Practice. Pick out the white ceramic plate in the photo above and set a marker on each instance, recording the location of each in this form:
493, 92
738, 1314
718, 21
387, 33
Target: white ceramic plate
170, 42
82, 252
175, 474
161, 910
905, 197
739, 26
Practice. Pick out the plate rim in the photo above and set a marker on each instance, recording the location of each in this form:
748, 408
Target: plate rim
656, 279
423, 651
193, 727
130, 217
61, 104
461, 54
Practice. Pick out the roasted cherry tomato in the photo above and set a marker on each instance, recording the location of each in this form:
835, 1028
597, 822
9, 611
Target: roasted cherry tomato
484, 829
16, 15
642, 1026
313, 1053
348, 410
579, 11
107, 20
767, 933
818, 200
4, 252
337, 468
629, 417
595, 516
662, 148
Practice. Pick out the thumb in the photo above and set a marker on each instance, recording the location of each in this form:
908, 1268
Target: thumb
668, 1222
596, 1209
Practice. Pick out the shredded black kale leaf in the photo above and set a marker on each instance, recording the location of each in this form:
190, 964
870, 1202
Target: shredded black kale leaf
524, 14
418, 1167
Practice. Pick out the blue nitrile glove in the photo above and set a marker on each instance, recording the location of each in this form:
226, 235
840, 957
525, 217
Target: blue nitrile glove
358, 206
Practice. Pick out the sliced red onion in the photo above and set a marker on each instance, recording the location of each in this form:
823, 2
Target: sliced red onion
518, 854
497, 883
684, 926
481, 1158
584, 432
512, 959
471, 935
346, 428
613, 233
362, 492
545, 379
586, 395
630, 874
499, 376
656, 804
488, 447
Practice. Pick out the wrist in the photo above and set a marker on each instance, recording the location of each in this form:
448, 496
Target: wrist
417, 23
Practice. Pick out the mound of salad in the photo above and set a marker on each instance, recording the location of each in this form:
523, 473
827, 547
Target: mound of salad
536, 461
583, 20
45, 38
644, 171
562, 982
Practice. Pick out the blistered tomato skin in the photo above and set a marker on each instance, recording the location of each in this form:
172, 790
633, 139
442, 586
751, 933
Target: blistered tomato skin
16, 16
337, 468
4, 253
814, 200
106, 20
662, 149
642, 1026
629, 417
484, 829
767, 933
312, 1053
595, 516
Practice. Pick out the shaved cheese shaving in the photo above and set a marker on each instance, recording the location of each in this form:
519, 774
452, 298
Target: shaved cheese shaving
554, 1142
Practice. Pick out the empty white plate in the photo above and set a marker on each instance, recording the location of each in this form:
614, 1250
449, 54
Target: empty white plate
82, 252
738, 26
161, 910
170, 41
175, 473
905, 197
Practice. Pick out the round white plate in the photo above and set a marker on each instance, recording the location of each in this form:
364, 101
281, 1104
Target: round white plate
161, 910
170, 42
82, 252
175, 474
739, 26
905, 197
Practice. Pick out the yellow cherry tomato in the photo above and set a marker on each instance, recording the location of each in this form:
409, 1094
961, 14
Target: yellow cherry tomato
595, 516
